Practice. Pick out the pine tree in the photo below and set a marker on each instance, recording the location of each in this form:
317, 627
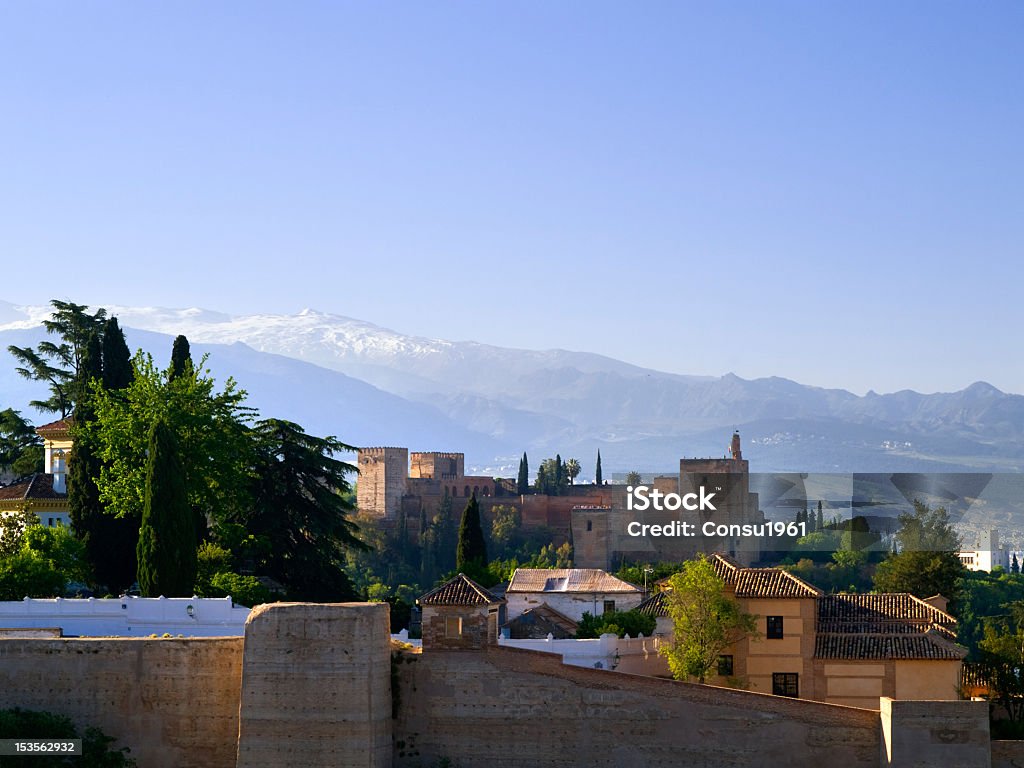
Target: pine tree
471, 553
167, 537
523, 482
117, 360
302, 504
181, 357
597, 472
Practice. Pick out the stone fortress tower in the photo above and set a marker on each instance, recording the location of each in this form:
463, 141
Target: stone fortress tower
599, 535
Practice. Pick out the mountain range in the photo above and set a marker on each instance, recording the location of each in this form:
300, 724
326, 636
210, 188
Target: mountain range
373, 386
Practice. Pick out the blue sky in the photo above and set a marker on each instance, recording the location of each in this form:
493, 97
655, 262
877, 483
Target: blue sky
825, 191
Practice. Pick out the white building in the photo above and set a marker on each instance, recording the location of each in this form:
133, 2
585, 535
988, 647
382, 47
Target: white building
986, 555
570, 591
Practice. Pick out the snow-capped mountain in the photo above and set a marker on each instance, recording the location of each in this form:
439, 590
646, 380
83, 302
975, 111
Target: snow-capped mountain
489, 401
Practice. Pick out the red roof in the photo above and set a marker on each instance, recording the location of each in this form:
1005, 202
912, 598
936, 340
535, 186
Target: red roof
460, 590
39, 486
60, 425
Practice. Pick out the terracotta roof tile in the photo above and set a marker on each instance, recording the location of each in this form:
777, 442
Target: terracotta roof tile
460, 590
884, 626
760, 582
567, 580
654, 606
772, 582
39, 486
860, 611
920, 645
540, 621
60, 425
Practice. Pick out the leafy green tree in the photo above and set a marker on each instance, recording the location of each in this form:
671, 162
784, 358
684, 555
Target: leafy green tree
572, 470
41, 564
167, 536
21, 449
633, 478
216, 448
523, 481
927, 563
302, 505
621, 623
57, 363
181, 357
506, 522
551, 477
983, 597
706, 621
598, 480
12, 530
471, 552
647, 572
1002, 665
438, 543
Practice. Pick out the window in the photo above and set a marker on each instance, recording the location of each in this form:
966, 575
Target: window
786, 684
453, 626
725, 666
774, 628
609, 605
590, 525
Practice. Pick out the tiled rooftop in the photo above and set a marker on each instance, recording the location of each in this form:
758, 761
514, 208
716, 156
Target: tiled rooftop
760, 582
567, 580
60, 425
460, 590
39, 486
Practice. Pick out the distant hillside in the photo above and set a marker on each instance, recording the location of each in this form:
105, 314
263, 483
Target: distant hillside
371, 385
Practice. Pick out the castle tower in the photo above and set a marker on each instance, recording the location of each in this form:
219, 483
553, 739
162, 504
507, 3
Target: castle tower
734, 449
382, 481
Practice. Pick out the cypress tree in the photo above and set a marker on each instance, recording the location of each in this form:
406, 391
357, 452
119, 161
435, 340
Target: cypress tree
597, 472
471, 552
559, 474
821, 517
523, 482
117, 360
181, 357
167, 537
1014, 566
83, 465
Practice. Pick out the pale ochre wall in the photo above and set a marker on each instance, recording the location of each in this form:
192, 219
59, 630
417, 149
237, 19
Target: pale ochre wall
792, 653
927, 680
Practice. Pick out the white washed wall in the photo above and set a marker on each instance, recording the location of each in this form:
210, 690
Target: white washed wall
129, 616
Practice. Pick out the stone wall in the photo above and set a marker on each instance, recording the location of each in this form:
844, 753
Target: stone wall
316, 686
455, 627
925, 734
506, 707
174, 702
382, 481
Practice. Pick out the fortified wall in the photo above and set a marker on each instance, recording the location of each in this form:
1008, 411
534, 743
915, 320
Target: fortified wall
318, 685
